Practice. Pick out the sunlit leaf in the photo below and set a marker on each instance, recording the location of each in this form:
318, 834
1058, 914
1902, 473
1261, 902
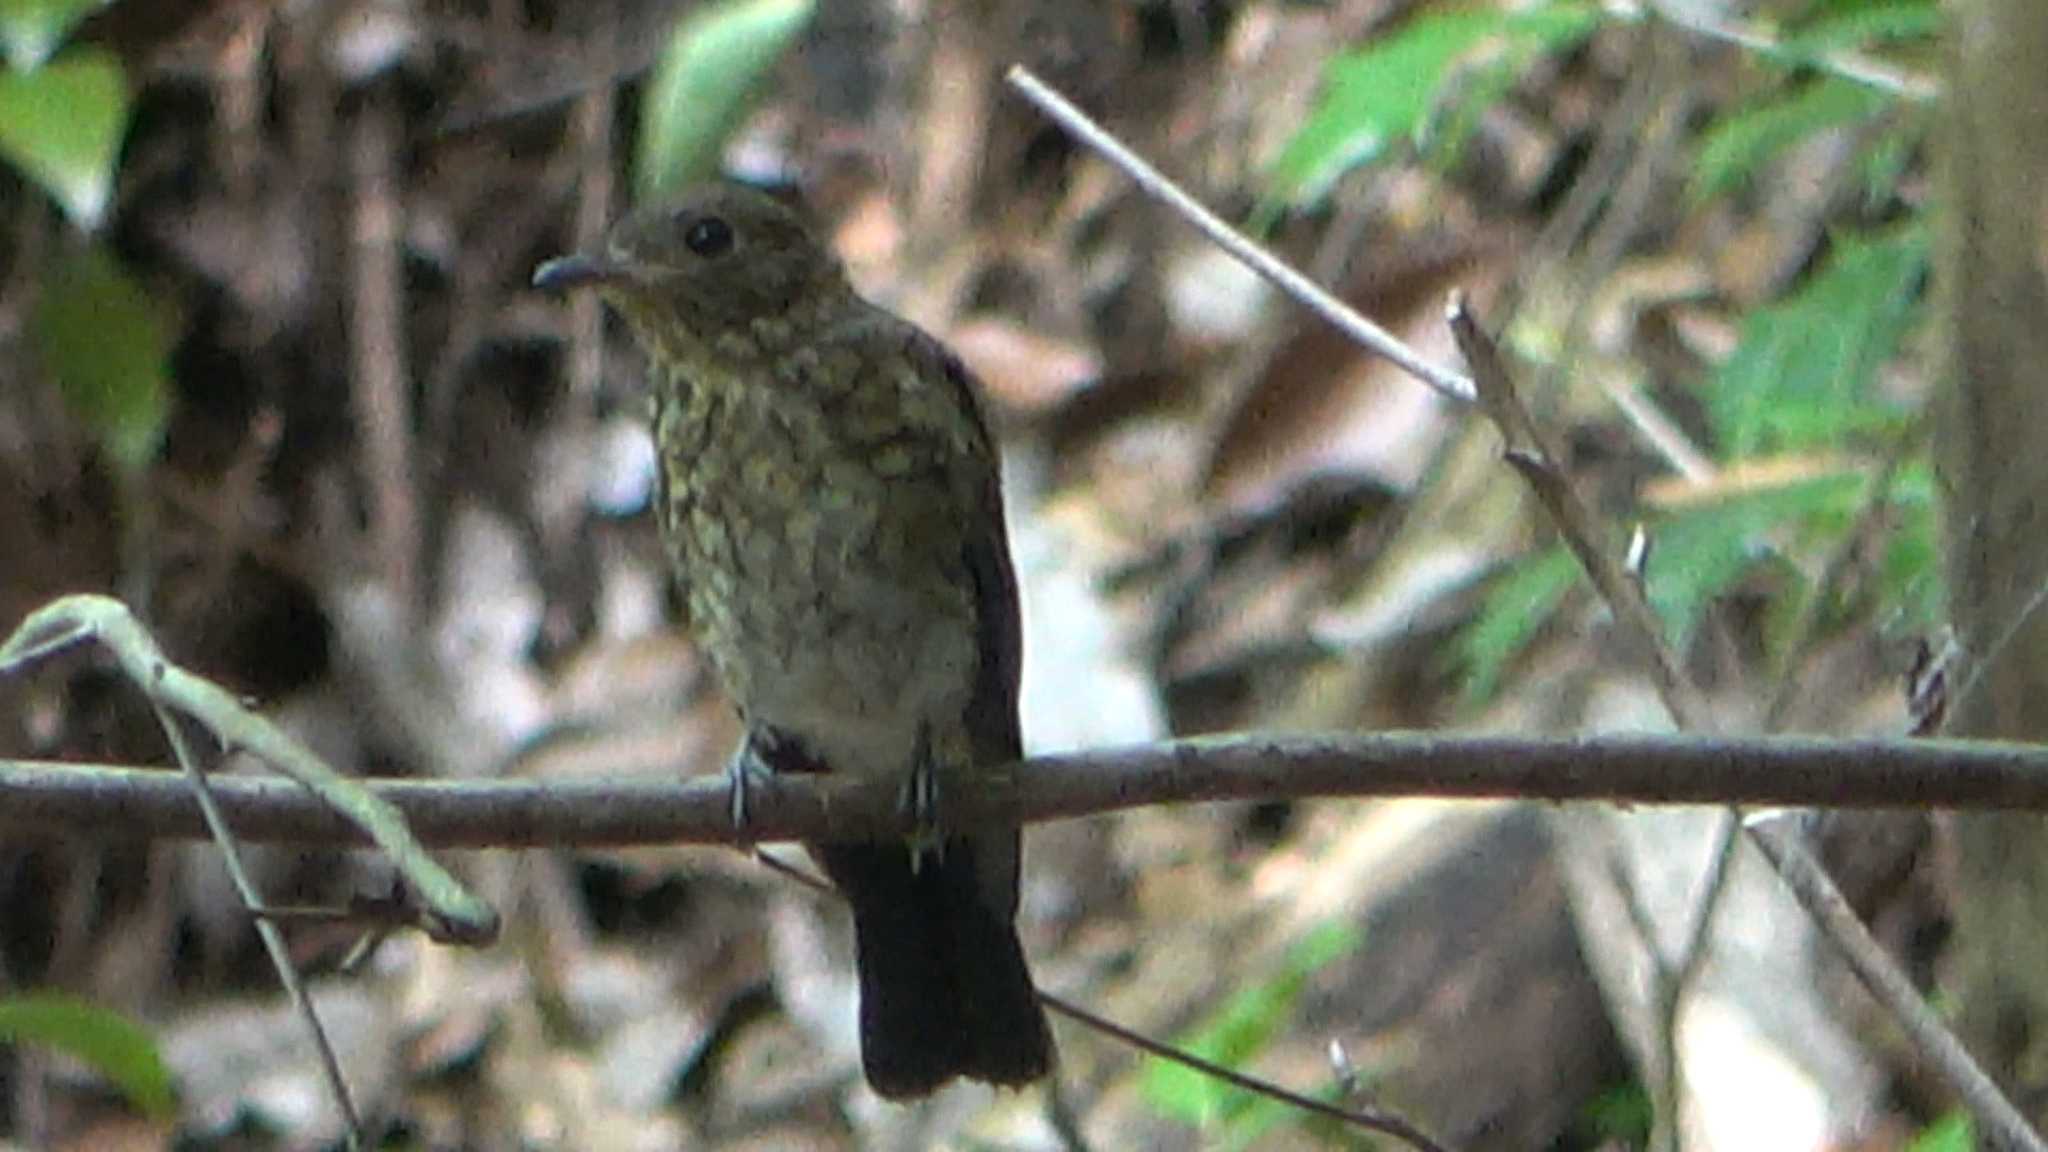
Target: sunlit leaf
1866, 25
1741, 143
1951, 1133
32, 29
1703, 552
1801, 376
1389, 92
62, 125
107, 345
719, 59
107, 1042
1517, 606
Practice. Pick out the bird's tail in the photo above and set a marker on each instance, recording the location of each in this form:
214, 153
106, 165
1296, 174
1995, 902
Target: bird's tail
944, 990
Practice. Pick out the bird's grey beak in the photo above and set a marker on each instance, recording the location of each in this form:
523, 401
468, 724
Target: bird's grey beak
565, 272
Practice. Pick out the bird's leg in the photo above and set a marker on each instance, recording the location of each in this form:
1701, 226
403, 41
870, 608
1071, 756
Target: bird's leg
921, 800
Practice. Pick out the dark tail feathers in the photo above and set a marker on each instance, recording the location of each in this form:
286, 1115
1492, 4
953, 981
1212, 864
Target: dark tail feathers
944, 990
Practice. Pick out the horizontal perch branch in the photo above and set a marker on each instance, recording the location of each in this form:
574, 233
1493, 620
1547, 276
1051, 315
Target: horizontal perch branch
128, 802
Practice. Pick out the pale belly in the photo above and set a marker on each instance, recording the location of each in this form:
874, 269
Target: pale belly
827, 623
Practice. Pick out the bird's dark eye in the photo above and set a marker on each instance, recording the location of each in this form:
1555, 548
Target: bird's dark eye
709, 236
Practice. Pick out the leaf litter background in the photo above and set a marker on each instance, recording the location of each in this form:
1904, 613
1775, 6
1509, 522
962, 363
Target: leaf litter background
294, 400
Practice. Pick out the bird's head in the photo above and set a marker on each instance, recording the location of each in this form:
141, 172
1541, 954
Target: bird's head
707, 267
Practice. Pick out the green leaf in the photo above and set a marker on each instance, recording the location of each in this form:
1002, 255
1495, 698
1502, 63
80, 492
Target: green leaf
1885, 164
1864, 26
1739, 144
1517, 606
1951, 1133
31, 29
1386, 93
1239, 1030
62, 126
1702, 552
106, 343
718, 61
1801, 376
1621, 1116
106, 1041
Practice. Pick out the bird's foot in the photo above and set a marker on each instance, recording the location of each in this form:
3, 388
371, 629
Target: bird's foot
741, 772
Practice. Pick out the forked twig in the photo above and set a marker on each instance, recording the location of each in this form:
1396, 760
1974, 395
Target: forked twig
1802, 874
1527, 451
266, 930
170, 689
1493, 387
448, 912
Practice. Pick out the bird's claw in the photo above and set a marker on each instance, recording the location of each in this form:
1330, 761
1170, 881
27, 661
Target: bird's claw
744, 768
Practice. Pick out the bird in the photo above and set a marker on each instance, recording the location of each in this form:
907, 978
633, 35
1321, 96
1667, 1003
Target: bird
830, 504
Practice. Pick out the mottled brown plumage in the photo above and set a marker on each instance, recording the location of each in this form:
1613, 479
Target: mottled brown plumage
830, 506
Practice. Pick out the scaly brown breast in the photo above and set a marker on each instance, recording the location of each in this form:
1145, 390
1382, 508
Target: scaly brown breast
821, 562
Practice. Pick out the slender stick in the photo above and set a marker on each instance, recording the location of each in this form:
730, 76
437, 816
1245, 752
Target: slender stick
266, 930
2001, 1123
1369, 1119
1756, 771
1526, 452
1248, 252
447, 910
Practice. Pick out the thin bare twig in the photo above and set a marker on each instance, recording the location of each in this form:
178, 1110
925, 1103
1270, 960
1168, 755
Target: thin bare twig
449, 913
266, 930
1609, 577
2001, 1123
1677, 975
1808, 880
1526, 451
1997, 648
1369, 335
1854, 67
1370, 1120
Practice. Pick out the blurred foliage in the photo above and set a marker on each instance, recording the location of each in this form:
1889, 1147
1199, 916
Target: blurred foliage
101, 338
1704, 551
1233, 1036
105, 1041
1516, 608
30, 30
1425, 84
1740, 144
61, 126
1802, 377
1857, 24
717, 63
1620, 1117
1951, 1133
107, 344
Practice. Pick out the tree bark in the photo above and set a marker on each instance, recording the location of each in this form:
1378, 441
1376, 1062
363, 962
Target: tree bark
1993, 430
